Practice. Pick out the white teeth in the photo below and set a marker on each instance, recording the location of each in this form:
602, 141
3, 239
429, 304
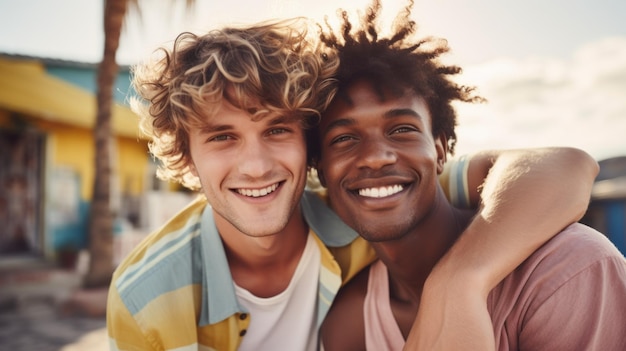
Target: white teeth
258, 192
381, 191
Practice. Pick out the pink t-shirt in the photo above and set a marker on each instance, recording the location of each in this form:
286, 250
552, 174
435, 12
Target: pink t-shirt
569, 295
381, 330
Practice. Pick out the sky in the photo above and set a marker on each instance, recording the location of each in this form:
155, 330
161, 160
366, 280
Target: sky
553, 72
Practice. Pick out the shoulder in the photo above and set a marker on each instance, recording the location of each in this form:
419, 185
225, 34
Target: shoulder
343, 327
579, 244
160, 254
353, 293
568, 294
185, 221
581, 256
577, 256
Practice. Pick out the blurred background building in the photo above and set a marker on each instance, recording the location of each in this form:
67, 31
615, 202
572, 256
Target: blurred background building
47, 112
607, 209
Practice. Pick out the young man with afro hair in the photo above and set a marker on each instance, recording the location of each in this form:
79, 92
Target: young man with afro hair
384, 140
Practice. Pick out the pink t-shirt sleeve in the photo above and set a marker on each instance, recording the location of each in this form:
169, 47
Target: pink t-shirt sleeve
587, 312
569, 295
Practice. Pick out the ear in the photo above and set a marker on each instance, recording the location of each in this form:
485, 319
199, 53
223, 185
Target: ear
192, 169
320, 176
441, 145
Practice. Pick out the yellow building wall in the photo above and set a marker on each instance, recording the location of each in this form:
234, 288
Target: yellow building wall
133, 162
74, 148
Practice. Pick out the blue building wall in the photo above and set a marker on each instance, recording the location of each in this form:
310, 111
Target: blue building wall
86, 79
607, 209
615, 212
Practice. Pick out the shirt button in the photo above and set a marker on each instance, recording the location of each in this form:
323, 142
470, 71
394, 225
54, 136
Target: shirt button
242, 332
243, 316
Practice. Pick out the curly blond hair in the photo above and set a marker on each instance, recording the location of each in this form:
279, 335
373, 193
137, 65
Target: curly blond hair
268, 67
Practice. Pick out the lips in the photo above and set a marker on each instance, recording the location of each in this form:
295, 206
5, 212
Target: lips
379, 186
259, 192
380, 192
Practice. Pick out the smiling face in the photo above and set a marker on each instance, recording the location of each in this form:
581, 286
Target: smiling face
379, 161
253, 173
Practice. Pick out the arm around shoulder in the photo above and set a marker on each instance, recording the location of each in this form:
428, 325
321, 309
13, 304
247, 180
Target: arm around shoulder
527, 197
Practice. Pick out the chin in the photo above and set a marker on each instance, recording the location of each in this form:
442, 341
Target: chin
377, 238
259, 231
380, 233
370, 233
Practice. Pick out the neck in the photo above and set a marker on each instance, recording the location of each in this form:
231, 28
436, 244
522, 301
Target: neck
411, 258
264, 265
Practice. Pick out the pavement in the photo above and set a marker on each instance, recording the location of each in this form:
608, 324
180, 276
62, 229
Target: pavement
44, 308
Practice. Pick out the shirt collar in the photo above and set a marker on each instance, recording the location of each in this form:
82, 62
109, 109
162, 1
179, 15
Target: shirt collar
325, 222
219, 296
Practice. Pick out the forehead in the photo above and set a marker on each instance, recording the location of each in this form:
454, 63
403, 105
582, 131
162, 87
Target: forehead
225, 113
361, 99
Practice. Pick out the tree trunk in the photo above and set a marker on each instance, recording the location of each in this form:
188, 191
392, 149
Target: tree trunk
101, 215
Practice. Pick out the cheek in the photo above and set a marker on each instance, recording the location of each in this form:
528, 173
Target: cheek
291, 156
424, 160
332, 169
195, 155
210, 168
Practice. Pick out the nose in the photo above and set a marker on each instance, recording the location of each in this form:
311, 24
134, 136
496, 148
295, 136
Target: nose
375, 153
254, 159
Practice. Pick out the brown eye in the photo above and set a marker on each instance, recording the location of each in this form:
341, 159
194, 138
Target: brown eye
340, 139
404, 129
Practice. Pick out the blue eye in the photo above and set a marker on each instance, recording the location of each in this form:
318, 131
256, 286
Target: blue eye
277, 131
221, 137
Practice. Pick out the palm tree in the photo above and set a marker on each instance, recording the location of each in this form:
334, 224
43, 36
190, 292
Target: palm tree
101, 217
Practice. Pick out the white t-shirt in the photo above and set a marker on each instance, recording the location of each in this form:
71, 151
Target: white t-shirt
287, 321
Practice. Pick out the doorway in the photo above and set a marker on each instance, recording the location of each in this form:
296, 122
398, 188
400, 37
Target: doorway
21, 175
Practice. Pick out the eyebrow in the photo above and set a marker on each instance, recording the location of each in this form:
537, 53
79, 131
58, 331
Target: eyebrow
342, 122
282, 119
348, 121
210, 128
401, 112
214, 128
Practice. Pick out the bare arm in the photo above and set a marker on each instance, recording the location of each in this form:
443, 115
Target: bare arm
528, 197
